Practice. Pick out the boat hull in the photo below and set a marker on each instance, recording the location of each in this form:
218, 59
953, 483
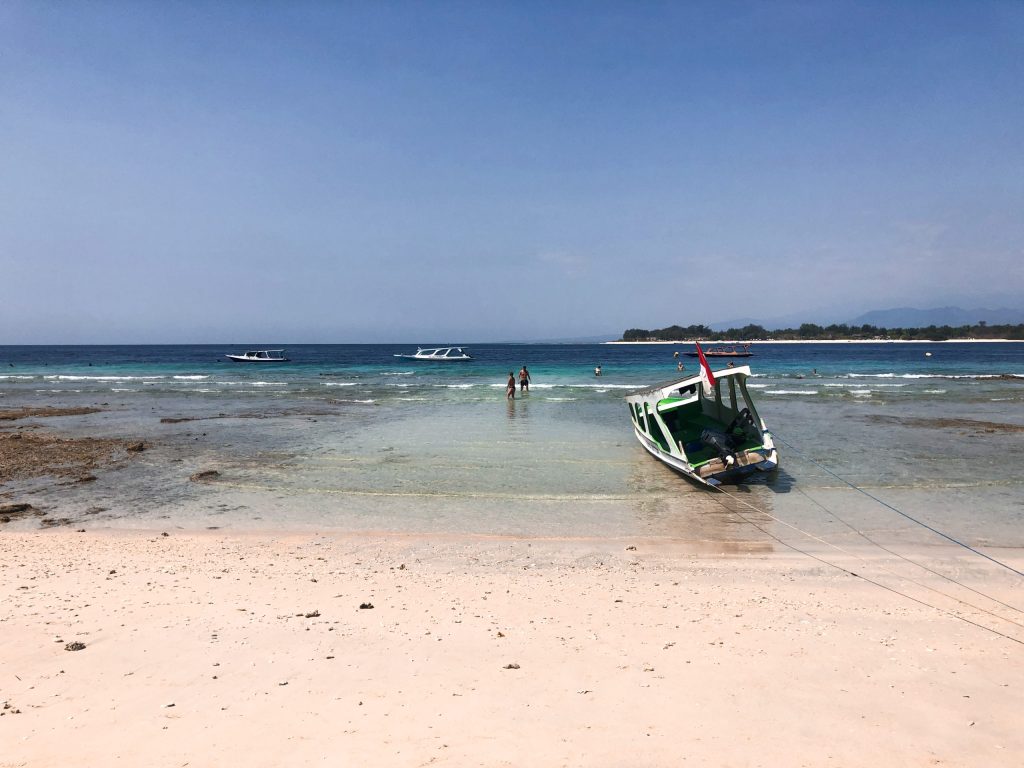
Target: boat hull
732, 474
435, 359
243, 359
722, 354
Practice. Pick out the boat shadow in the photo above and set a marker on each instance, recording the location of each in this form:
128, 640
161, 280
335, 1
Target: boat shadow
776, 481
699, 519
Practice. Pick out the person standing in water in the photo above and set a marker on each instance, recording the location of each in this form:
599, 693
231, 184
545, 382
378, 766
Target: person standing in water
524, 379
510, 387
597, 371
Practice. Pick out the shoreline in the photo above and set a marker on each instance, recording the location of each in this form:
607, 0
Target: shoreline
833, 341
265, 647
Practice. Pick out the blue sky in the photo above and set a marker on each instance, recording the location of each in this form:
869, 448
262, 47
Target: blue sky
431, 172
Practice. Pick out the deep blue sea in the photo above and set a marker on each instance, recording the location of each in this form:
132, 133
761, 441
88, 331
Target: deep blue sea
351, 437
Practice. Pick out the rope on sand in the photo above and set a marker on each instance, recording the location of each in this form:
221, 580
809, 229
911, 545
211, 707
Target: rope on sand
897, 511
830, 564
920, 565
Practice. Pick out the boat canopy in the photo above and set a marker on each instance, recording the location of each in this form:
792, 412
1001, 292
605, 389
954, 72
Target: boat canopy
438, 353
722, 402
676, 386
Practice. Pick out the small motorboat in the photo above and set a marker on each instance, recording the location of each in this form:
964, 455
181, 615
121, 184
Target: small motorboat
709, 434
439, 354
260, 356
725, 351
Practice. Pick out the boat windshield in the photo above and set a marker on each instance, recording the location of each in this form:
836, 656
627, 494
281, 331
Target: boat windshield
726, 399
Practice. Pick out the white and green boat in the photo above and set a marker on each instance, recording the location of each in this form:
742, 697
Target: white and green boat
710, 434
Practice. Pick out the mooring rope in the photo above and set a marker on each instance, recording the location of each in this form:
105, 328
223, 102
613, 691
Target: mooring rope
910, 560
830, 564
894, 509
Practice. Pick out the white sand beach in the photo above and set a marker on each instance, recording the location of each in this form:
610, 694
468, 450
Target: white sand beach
211, 648
831, 341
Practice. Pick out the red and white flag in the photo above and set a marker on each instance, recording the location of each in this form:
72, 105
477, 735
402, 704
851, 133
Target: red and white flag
705, 370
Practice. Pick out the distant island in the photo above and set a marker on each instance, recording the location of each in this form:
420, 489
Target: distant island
814, 332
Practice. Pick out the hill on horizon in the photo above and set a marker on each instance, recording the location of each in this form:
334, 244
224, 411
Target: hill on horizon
896, 317
910, 317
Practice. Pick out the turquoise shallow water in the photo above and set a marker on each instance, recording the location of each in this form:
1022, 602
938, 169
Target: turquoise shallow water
351, 437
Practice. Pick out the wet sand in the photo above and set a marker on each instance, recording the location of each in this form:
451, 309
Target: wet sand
263, 650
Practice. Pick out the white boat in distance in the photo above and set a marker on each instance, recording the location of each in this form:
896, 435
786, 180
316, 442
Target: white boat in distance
439, 354
260, 356
708, 435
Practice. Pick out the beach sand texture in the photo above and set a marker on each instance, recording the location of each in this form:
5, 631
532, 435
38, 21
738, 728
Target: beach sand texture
252, 649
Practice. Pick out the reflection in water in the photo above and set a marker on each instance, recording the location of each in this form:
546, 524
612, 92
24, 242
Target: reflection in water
669, 505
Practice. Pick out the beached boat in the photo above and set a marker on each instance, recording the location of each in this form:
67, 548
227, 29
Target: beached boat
260, 356
725, 351
439, 354
710, 434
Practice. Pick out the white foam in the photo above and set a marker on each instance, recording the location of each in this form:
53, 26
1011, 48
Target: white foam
398, 373
581, 385
791, 392
13, 377
191, 378
929, 376
64, 377
935, 391
339, 383
602, 386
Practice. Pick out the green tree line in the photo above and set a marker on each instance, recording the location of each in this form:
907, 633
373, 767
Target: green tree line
834, 332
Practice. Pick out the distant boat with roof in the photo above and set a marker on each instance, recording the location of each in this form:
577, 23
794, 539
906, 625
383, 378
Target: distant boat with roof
260, 356
439, 355
728, 350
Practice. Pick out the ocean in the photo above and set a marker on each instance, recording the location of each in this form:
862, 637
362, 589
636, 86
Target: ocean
351, 437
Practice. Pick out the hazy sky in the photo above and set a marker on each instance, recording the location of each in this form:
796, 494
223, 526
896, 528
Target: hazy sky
438, 171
